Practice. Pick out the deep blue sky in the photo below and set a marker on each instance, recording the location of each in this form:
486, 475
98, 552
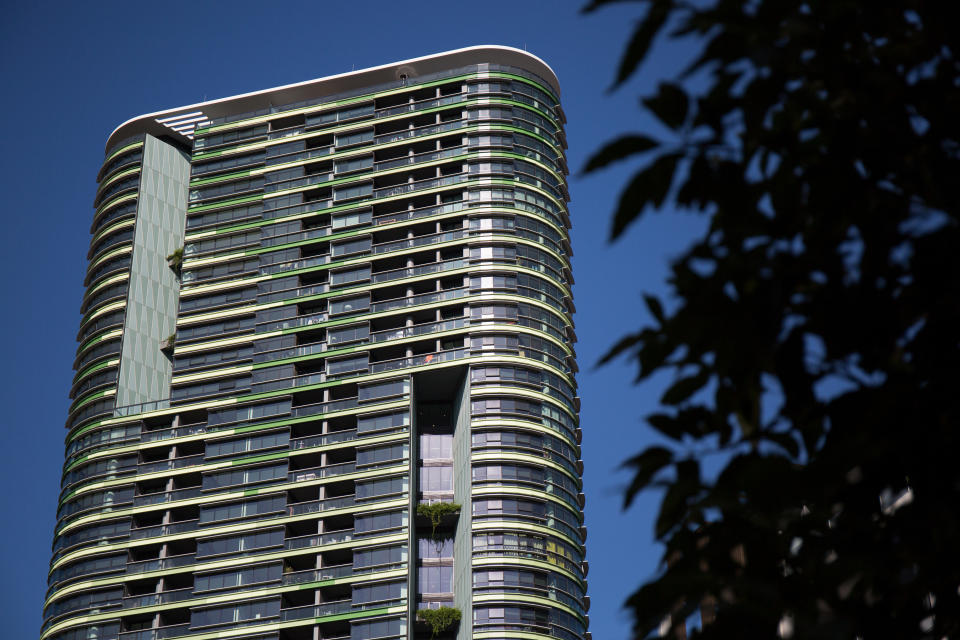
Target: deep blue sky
73, 71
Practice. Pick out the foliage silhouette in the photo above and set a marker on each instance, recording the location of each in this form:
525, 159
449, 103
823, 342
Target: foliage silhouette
175, 260
439, 619
813, 329
436, 511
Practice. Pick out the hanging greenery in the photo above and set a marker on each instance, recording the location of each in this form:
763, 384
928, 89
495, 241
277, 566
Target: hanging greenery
439, 619
435, 512
175, 259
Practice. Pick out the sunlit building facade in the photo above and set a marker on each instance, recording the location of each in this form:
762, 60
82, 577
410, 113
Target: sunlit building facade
325, 378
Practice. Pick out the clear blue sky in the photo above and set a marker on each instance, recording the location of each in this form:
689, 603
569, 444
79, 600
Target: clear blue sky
72, 71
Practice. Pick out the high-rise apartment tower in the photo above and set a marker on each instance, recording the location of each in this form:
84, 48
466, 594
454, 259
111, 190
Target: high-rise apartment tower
325, 376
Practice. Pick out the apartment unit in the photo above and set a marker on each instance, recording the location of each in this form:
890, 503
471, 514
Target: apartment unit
325, 378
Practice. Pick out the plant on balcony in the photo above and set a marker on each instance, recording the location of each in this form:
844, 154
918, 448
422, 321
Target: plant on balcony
175, 259
169, 342
436, 511
439, 619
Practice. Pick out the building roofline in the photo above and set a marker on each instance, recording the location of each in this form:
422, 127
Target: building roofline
332, 85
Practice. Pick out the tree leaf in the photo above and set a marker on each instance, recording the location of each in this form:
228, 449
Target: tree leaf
642, 38
596, 4
622, 345
655, 308
785, 441
647, 464
685, 387
674, 505
619, 149
648, 186
667, 425
670, 105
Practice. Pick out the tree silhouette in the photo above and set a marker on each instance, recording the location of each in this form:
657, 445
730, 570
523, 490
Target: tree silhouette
813, 330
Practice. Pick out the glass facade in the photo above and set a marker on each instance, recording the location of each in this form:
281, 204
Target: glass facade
373, 317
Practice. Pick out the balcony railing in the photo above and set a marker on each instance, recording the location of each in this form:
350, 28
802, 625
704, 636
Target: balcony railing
308, 442
420, 157
305, 181
316, 506
165, 465
415, 361
410, 272
318, 575
333, 537
172, 432
422, 131
163, 529
290, 294
324, 407
152, 599
156, 564
143, 407
294, 265
424, 298
315, 473
420, 241
166, 496
419, 330
395, 190
289, 323
315, 610
420, 106
157, 633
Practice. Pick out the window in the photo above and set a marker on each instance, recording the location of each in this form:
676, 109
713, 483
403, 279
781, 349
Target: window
240, 543
494, 282
358, 245
350, 219
436, 446
100, 531
348, 365
354, 137
341, 115
381, 487
229, 326
218, 299
238, 577
250, 412
379, 556
99, 599
87, 567
379, 592
436, 478
379, 522
435, 549
353, 191
435, 579
249, 475
494, 342
384, 389
235, 613
353, 333
378, 629
243, 445
513, 507
380, 455
354, 164
230, 136
382, 421
493, 253
352, 304
246, 509
347, 276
